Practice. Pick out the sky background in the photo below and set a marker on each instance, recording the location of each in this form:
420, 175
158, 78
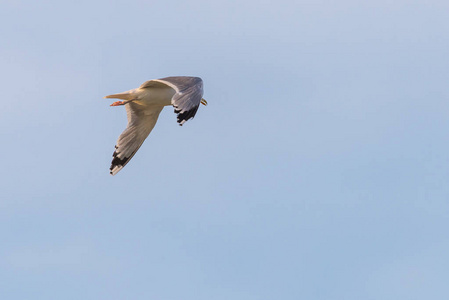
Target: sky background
318, 170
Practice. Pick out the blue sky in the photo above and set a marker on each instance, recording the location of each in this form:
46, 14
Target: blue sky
318, 170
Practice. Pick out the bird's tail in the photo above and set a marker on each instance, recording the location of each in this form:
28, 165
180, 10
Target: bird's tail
124, 96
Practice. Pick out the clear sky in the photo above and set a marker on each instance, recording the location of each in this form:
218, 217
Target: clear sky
319, 170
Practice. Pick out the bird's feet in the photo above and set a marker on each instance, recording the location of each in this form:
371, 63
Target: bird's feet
118, 103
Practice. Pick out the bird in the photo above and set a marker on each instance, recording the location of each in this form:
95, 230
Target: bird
143, 106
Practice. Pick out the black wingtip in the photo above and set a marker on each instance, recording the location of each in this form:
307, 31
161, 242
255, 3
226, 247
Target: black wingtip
117, 161
186, 115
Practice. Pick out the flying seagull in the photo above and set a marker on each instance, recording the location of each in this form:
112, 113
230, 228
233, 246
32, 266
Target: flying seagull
143, 106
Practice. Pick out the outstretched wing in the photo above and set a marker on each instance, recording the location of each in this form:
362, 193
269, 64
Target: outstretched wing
186, 100
141, 120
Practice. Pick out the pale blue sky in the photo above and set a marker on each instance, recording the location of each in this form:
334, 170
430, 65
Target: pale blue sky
318, 171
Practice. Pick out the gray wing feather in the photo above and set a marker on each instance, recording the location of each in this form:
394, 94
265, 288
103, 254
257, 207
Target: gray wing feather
189, 92
141, 120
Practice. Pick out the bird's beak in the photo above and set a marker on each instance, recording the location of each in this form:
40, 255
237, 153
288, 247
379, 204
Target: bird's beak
203, 101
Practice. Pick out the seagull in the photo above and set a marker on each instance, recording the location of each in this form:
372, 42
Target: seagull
143, 106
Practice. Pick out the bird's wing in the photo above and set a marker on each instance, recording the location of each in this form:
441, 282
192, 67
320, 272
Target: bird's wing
186, 100
141, 120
